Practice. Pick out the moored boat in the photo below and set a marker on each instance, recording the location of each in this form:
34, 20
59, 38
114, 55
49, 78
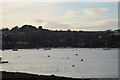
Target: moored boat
47, 48
2, 61
15, 49
106, 48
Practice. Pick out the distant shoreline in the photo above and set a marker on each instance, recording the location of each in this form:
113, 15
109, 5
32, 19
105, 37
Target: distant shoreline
60, 48
27, 76
29, 36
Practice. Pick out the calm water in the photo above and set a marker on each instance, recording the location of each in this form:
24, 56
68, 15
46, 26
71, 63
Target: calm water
98, 63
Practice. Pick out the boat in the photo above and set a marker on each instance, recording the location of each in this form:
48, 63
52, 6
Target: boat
47, 48
106, 48
2, 61
15, 49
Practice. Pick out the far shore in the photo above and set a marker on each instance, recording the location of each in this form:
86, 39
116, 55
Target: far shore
50, 48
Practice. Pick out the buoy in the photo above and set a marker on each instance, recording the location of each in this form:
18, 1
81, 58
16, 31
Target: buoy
72, 65
76, 54
81, 59
48, 56
68, 58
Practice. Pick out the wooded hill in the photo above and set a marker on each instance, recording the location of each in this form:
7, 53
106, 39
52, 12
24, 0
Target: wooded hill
29, 36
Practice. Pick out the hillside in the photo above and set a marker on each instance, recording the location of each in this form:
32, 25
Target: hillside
29, 36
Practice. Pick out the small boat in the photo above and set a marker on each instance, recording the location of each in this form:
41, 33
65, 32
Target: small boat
15, 49
106, 48
2, 61
47, 48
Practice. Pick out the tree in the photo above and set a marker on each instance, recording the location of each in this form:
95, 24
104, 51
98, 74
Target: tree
40, 27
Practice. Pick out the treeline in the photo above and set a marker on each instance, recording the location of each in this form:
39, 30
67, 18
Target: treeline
29, 36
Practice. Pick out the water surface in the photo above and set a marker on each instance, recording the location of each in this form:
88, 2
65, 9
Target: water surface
97, 63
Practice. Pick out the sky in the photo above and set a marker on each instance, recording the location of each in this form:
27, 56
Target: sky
61, 15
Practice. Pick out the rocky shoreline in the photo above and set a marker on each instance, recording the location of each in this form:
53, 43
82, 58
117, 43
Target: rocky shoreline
26, 76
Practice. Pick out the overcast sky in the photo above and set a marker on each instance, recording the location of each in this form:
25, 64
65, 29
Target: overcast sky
61, 15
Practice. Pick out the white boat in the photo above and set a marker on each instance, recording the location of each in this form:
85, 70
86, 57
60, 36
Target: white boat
2, 61
47, 48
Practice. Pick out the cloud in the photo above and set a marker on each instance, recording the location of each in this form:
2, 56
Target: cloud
59, 0
57, 16
93, 13
55, 25
0, 14
95, 25
39, 20
109, 22
87, 14
69, 14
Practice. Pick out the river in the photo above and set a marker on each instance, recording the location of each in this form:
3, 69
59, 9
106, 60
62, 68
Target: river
68, 62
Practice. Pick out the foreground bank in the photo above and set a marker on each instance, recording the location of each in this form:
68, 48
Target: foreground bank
27, 76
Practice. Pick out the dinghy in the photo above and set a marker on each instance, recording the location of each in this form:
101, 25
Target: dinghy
2, 61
